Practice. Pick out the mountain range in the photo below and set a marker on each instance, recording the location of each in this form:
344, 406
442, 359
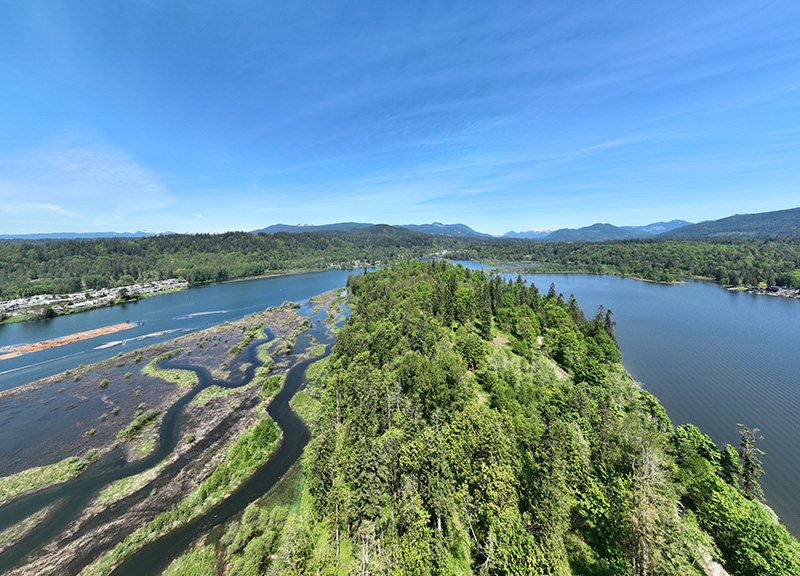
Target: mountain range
299, 228
436, 228
764, 224
593, 233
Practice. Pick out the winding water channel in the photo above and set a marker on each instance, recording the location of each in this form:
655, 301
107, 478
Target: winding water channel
156, 557
72, 497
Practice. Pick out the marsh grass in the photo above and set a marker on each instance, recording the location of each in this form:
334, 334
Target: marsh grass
41, 476
183, 378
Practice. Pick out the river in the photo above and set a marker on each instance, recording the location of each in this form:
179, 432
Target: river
712, 357
155, 557
156, 319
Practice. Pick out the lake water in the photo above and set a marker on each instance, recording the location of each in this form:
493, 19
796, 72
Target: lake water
712, 357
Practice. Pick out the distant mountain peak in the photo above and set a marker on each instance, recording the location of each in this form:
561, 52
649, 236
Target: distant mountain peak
444, 229
658, 227
599, 232
535, 233
758, 225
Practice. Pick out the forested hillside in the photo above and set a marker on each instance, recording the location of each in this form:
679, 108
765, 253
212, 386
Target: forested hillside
29, 268
471, 426
761, 225
593, 233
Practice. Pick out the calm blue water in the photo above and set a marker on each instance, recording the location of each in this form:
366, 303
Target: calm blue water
712, 357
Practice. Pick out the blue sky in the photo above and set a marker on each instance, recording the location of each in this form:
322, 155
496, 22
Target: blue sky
199, 116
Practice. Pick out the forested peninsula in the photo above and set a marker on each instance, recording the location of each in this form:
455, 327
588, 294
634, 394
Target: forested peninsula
466, 425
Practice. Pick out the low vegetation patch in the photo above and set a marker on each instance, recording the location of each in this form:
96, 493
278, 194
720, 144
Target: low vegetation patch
183, 378
198, 562
9, 535
252, 332
272, 386
305, 405
139, 423
41, 476
209, 394
147, 444
127, 486
317, 370
257, 535
264, 355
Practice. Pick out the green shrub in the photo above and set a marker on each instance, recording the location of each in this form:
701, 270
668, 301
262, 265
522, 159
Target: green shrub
138, 424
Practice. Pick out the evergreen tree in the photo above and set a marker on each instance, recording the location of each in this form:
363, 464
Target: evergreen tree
751, 465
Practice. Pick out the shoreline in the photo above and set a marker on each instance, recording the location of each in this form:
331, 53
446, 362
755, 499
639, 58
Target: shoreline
774, 291
536, 271
103, 304
41, 307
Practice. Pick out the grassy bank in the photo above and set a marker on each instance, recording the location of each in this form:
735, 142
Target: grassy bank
127, 486
198, 562
305, 405
183, 378
41, 476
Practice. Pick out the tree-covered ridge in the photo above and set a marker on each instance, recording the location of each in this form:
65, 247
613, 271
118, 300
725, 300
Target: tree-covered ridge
448, 442
29, 268
761, 225
594, 233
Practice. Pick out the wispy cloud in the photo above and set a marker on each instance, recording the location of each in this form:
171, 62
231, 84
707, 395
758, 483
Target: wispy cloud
80, 180
60, 210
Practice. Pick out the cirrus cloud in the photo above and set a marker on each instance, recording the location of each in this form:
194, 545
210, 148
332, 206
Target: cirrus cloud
80, 181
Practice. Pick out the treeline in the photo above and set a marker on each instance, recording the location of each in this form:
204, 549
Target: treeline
449, 442
734, 262
63, 266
